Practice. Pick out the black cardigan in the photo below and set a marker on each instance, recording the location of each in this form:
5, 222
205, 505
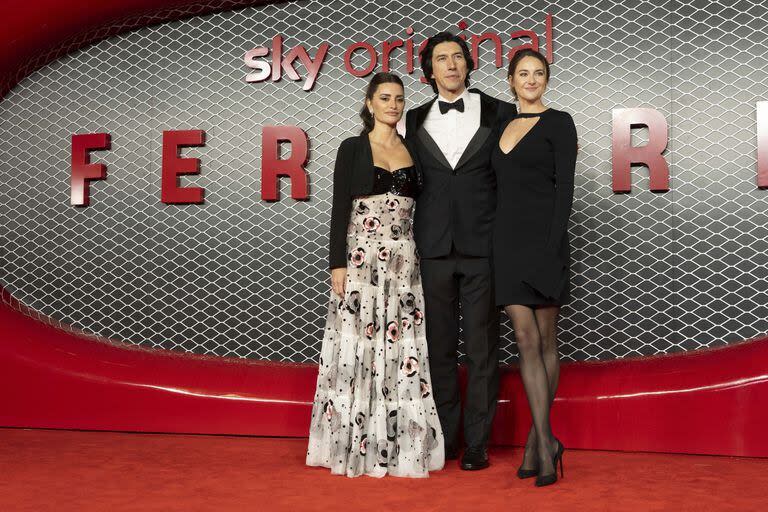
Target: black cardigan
353, 176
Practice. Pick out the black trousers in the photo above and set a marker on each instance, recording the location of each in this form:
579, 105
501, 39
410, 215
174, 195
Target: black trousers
448, 282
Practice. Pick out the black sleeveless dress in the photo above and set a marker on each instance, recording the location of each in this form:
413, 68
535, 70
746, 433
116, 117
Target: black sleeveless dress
531, 254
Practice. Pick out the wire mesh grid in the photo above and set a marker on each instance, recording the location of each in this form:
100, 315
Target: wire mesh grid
651, 273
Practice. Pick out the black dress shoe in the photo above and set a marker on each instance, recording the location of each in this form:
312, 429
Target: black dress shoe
474, 458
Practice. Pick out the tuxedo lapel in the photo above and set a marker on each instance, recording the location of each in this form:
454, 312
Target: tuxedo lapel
487, 112
421, 113
425, 138
432, 147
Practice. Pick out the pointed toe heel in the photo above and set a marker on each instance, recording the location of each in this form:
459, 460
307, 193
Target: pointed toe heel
522, 474
544, 480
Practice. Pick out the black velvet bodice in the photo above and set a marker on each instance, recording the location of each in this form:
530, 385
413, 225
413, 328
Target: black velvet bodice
402, 182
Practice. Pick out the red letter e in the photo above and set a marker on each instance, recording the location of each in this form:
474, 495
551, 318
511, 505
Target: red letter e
173, 166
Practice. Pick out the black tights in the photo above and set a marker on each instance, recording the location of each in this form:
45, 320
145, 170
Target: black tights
536, 336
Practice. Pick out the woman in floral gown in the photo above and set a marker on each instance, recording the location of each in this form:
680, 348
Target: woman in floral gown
373, 411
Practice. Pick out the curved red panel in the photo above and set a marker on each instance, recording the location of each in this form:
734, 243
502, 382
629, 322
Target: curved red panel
710, 401
40, 31
65, 379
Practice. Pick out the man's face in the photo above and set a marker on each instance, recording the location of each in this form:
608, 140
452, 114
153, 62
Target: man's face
449, 68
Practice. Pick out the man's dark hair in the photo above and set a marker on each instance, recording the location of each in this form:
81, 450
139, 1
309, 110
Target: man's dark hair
426, 55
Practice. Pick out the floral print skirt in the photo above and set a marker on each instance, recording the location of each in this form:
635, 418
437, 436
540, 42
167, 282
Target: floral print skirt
373, 411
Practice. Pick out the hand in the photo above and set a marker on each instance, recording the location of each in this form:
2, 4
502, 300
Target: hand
338, 281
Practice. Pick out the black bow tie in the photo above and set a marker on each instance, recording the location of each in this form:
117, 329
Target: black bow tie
445, 106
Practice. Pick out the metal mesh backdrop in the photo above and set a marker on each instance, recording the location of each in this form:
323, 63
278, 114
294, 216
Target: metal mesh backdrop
652, 272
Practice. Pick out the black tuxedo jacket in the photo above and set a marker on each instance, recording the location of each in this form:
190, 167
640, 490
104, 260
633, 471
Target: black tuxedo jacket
456, 207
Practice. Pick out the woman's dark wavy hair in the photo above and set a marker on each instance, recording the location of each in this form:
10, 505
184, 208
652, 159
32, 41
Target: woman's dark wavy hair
426, 55
520, 55
376, 81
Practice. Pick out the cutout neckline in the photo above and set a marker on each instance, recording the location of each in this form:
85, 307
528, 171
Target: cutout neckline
521, 139
531, 114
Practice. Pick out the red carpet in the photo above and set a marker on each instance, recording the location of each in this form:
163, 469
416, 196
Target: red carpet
42, 470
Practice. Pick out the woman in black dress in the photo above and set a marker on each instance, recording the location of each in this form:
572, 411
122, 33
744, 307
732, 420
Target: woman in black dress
373, 412
534, 164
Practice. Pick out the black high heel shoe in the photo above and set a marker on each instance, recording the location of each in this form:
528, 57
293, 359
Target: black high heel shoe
543, 480
522, 474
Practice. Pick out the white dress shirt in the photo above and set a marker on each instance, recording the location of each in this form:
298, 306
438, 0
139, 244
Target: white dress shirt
453, 130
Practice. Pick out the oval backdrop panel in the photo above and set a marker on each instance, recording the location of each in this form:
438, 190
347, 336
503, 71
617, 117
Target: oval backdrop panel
652, 272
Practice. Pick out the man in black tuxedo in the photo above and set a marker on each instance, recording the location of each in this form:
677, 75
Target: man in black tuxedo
453, 137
